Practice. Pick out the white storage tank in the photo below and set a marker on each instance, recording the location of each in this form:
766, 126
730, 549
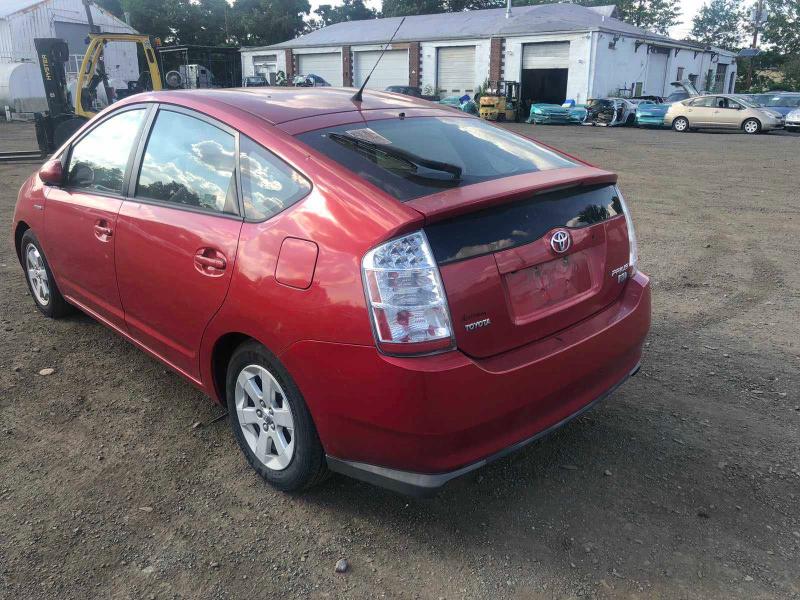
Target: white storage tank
21, 87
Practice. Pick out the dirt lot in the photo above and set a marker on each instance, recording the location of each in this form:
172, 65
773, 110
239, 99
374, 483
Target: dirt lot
685, 484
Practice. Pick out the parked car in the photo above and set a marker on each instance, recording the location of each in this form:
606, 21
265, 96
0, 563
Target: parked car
396, 294
780, 102
552, 114
652, 114
406, 90
255, 81
721, 111
793, 120
309, 80
610, 112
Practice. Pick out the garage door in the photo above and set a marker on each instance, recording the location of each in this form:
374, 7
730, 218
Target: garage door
327, 65
545, 55
455, 70
392, 70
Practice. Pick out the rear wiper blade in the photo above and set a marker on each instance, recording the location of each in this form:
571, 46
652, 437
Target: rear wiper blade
410, 158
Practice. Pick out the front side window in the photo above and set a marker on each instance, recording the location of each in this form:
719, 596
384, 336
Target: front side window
191, 162
268, 184
98, 160
413, 157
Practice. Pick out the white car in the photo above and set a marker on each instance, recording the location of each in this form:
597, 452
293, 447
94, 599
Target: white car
793, 120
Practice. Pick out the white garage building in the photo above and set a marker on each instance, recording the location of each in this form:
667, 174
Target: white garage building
556, 51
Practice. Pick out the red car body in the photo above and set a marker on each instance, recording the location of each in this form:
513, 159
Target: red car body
187, 287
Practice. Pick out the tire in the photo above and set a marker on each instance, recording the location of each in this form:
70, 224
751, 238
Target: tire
289, 455
793, 129
680, 124
39, 277
751, 126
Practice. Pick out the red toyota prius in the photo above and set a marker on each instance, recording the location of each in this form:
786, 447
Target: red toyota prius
385, 288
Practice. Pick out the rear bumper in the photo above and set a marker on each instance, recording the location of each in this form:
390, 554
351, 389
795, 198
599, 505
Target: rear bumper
413, 424
650, 121
427, 484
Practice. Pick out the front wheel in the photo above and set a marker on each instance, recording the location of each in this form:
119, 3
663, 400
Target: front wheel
680, 124
751, 126
271, 422
40, 279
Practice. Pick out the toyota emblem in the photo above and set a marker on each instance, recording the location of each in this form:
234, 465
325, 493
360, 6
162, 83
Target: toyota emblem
561, 241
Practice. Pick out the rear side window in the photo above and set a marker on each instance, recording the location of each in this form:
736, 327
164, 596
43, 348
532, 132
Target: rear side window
190, 162
522, 222
99, 159
414, 157
268, 184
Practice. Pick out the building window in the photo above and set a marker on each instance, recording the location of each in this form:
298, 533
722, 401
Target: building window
693, 79
680, 73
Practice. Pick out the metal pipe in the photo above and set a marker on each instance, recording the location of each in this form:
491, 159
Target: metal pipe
508, 9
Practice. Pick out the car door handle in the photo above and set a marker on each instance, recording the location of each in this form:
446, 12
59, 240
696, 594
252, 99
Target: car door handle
102, 231
210, 262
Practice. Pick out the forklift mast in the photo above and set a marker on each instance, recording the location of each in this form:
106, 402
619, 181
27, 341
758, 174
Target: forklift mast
53, 54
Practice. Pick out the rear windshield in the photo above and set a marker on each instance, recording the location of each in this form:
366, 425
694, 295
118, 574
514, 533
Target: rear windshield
414, 157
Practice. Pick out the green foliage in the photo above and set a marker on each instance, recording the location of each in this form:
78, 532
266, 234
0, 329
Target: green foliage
782, 30
265, 22
402, 8
349, 10
215, 22
719, 23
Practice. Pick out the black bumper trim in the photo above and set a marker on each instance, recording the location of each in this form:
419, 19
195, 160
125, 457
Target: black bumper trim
428, 484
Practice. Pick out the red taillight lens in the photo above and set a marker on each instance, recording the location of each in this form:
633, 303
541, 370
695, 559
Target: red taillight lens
406, 298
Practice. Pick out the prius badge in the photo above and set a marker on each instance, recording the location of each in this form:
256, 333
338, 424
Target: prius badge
561, 241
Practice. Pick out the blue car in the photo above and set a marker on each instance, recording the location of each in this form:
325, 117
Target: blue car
782, 102
652, 115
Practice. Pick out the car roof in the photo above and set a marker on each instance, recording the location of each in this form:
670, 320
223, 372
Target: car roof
281, 104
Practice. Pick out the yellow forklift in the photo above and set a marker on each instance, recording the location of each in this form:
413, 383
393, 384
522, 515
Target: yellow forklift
64, 117
500, 101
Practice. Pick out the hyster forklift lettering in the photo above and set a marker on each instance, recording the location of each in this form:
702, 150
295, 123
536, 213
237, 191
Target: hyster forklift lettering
500, 102
62, 118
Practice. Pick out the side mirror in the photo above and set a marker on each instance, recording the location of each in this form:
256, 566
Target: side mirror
52, 173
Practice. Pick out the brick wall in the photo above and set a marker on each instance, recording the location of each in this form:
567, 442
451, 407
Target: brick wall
414, 65
289, 65
496, 52
347, 67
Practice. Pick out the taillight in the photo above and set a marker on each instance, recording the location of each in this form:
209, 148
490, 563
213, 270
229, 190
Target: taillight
633, 255
406, 298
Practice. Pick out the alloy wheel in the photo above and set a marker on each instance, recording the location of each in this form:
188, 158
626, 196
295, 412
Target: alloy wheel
265, 417
681, 124
37, 275
751, 126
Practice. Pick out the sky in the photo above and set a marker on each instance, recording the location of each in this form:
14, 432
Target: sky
688, 8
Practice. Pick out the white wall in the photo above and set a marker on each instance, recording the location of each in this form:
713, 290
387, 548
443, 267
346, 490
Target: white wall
624, 66
579, 60
248, 54
428, 60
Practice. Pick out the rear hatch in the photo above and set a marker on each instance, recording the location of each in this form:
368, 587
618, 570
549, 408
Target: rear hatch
509, 283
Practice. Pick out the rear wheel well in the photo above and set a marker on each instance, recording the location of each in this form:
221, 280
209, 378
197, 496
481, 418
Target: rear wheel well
22, 227
221, 356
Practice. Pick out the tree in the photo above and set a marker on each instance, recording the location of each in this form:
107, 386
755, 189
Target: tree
350, 10
265, 22
402, 8
653, 15
719, 23
782, 29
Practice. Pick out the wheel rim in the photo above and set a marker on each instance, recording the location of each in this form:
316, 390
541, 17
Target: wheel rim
680, 124
751, 127
37, 275
265, 417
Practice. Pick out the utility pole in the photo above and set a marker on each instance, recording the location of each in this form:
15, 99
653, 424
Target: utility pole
756, 30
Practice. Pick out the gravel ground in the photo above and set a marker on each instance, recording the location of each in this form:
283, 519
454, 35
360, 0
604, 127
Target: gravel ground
684, 484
